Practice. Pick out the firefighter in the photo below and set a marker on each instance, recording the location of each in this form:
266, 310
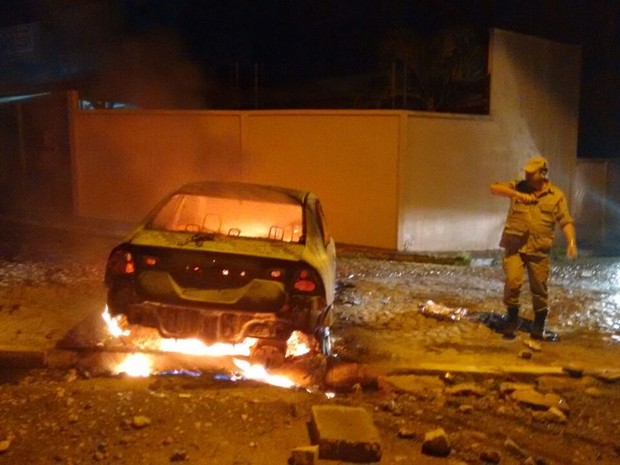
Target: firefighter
536, 206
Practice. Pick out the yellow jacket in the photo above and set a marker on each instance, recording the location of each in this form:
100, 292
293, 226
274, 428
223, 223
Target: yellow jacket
530, 228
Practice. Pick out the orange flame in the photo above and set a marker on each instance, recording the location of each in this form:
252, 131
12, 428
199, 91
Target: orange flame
298, 344
113, 324
135, 365
141, 365
182, 346
197, 347
258, 372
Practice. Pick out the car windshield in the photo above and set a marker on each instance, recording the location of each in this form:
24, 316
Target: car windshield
231, 217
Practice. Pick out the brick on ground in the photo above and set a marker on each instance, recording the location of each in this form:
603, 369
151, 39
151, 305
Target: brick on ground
345, 433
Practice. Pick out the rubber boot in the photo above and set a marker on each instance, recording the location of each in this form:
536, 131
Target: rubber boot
511, 323
538, 326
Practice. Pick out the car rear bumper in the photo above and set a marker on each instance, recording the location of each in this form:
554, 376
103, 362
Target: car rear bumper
210, 325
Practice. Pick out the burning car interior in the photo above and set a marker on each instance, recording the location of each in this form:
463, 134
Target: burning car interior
231, 217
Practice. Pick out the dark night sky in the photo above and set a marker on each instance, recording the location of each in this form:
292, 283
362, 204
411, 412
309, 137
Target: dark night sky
304, 39
317, 38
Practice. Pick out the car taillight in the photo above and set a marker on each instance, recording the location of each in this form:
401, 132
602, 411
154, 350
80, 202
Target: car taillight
121, 262
305, 282
276, 273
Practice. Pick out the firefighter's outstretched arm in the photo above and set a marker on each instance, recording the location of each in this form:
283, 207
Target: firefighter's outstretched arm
505, 189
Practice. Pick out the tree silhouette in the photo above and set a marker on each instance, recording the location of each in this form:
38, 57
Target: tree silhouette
446, 71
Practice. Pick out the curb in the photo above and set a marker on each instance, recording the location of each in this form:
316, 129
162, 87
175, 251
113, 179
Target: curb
442, 368
607, 374
339, 375
22, 357
27, 358
72, 224
343, 376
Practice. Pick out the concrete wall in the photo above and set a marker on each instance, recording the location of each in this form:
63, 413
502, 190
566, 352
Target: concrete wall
391, 179
449, 165
350, 159
127, 160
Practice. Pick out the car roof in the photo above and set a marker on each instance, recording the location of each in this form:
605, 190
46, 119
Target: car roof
244, 190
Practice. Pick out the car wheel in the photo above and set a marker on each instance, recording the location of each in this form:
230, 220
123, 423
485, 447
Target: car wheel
268, 355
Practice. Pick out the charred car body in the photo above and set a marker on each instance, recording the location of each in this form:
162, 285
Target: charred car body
226, 261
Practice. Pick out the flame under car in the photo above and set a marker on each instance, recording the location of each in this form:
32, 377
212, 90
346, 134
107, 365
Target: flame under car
223, 262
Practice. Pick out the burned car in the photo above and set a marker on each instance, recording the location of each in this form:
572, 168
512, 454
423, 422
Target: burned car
223, 261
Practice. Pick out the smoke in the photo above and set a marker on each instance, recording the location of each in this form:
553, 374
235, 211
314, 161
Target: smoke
150, 71
96, 47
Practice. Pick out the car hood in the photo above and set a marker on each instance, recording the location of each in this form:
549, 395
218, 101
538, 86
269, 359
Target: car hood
220, 244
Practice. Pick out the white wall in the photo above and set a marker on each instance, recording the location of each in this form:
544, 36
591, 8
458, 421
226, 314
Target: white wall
450, 164
451, 160
596, 203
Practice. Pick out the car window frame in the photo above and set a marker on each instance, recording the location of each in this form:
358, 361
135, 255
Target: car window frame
321, 222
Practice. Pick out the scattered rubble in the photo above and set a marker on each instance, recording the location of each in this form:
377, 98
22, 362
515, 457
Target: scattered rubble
466, 389
514, 449
537, 400
81, 415
140, 421
533, 345
179, 456
436, 443
574, 371
490, 456
4, 446
609, 376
